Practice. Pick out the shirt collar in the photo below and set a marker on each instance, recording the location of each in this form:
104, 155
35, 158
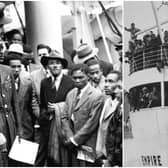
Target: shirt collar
84, 89
59, 77
17, 80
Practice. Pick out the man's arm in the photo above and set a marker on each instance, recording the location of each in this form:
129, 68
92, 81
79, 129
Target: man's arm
65, 118
127, 29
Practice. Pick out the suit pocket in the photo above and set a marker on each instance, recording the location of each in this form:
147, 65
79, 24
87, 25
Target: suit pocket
82, 115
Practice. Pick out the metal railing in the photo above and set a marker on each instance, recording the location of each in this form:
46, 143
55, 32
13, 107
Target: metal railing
148, 58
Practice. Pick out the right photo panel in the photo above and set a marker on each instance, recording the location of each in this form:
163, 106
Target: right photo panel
145, 83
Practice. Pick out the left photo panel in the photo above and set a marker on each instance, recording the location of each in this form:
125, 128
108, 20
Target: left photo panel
61, 85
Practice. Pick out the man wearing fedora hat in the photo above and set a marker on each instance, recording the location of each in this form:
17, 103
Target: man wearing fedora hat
85, 53
53, 90
17, 49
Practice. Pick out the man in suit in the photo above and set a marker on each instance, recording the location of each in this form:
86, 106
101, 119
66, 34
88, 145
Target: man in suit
80, 118
10, 121
53, 90
96, 77
25, 93
37, 76
114, 132
112, 102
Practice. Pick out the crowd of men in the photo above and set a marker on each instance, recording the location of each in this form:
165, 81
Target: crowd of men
75, 115
149, 40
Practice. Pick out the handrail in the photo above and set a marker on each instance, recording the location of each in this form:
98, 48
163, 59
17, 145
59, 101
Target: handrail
148, 58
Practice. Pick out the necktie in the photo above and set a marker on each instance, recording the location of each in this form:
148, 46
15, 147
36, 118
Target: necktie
76, 102
17, 84
77, 96
54, 83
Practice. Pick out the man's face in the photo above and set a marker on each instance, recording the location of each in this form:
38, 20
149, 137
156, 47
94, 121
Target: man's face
17, 38
55, 67
42, 52
16, 67
80, 79
95, 73
111, 83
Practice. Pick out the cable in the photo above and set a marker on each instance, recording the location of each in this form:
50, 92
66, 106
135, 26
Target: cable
110, 19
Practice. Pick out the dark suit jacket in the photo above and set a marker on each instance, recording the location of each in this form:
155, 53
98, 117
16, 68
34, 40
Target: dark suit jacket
86, 116
27, 104
48, 93
10, 119
114, 138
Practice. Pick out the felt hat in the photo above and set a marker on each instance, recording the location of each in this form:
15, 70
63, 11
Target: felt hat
54, 55
84, 52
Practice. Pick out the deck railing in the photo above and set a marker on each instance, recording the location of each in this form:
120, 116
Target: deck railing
148, 58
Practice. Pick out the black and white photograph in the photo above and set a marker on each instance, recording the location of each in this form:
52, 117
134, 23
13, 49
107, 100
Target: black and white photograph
145, 83
61, 83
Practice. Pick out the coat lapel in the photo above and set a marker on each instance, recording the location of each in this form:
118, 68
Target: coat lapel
85, 97
110, 109
22, 88
6, 81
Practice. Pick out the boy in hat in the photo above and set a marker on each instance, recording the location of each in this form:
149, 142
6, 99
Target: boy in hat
17, 49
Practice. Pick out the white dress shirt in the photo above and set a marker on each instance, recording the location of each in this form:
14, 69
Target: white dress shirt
57, 80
